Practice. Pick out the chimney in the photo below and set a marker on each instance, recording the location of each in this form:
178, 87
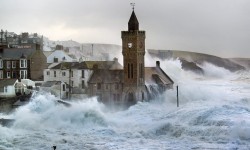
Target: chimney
95, 67
158, 64
115, 59
38, 47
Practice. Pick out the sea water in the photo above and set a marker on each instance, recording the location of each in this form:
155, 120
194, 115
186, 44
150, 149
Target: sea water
214, 113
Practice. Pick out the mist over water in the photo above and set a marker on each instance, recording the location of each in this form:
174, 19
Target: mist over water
214, 113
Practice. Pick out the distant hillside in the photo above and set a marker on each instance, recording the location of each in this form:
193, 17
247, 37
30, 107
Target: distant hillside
96, 51
190, 60
242, 61
89, 51
197, 58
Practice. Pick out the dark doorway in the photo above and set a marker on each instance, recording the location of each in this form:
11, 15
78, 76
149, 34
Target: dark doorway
131, 99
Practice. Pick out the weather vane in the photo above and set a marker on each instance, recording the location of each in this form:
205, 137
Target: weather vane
133, 5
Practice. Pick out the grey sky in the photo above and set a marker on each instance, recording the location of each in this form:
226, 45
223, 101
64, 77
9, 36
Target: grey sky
219, 27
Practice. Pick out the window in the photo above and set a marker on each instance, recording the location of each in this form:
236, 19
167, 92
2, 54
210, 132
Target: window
54, 73
23, 74
72, 74
64, 87
5, 89
8, 64
72, 83
116, 97
13, 64
116, 86
48, 73
8, 74
23, 63
63, 73
1, 74
132, 71
99, 86
1, 63
83, 84
82, 73
107, 86
140, 69
128, 70
142, 95
14, 75
55, 59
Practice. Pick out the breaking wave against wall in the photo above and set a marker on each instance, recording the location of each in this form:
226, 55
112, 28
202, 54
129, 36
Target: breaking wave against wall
214, 113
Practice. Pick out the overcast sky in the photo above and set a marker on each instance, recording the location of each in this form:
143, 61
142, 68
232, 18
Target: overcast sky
220, 27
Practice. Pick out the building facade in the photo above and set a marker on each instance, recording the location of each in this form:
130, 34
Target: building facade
134, 82
58, 56
24, 40
22, 63
74, 76
133, 51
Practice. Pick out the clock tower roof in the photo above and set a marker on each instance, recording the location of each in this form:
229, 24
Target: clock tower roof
133, 23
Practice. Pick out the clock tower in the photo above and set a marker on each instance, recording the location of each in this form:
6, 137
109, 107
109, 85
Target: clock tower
133, 51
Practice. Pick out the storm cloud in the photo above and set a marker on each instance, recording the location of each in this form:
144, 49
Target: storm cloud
219, 27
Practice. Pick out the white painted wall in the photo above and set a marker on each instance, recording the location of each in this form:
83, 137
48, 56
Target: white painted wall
77, 76
10, 91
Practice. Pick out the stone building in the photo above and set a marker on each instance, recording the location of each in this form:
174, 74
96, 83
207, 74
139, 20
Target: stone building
24, 40
75, 75
25, 63
134, 82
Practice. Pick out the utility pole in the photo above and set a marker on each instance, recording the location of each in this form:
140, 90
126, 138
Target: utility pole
6, 38
6, 32
1, 36
177, 95
92, 49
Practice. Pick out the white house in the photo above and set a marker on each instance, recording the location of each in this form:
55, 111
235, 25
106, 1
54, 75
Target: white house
56, 88
75, 74
59, 56
11, 88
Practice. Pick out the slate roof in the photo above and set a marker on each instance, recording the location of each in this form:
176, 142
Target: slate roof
17, 53
47, 53
50, 83
6, 82
106, 76
104, 64
133, 23
73, 65
155, 75
112, 65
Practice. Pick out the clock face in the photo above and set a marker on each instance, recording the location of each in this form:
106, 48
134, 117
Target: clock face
130, 45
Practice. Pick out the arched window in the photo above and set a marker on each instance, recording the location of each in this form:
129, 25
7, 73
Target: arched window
132, 71
142, 95
128, 70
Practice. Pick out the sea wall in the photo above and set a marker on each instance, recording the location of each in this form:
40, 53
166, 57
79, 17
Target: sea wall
6, 104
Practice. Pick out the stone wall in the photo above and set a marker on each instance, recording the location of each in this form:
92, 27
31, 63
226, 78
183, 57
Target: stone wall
6, 105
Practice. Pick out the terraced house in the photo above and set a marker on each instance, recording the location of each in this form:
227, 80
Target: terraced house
23, 63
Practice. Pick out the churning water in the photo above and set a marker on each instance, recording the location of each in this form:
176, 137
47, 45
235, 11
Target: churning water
214, 113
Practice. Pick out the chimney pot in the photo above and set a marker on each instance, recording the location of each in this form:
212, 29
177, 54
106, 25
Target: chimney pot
157, 63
